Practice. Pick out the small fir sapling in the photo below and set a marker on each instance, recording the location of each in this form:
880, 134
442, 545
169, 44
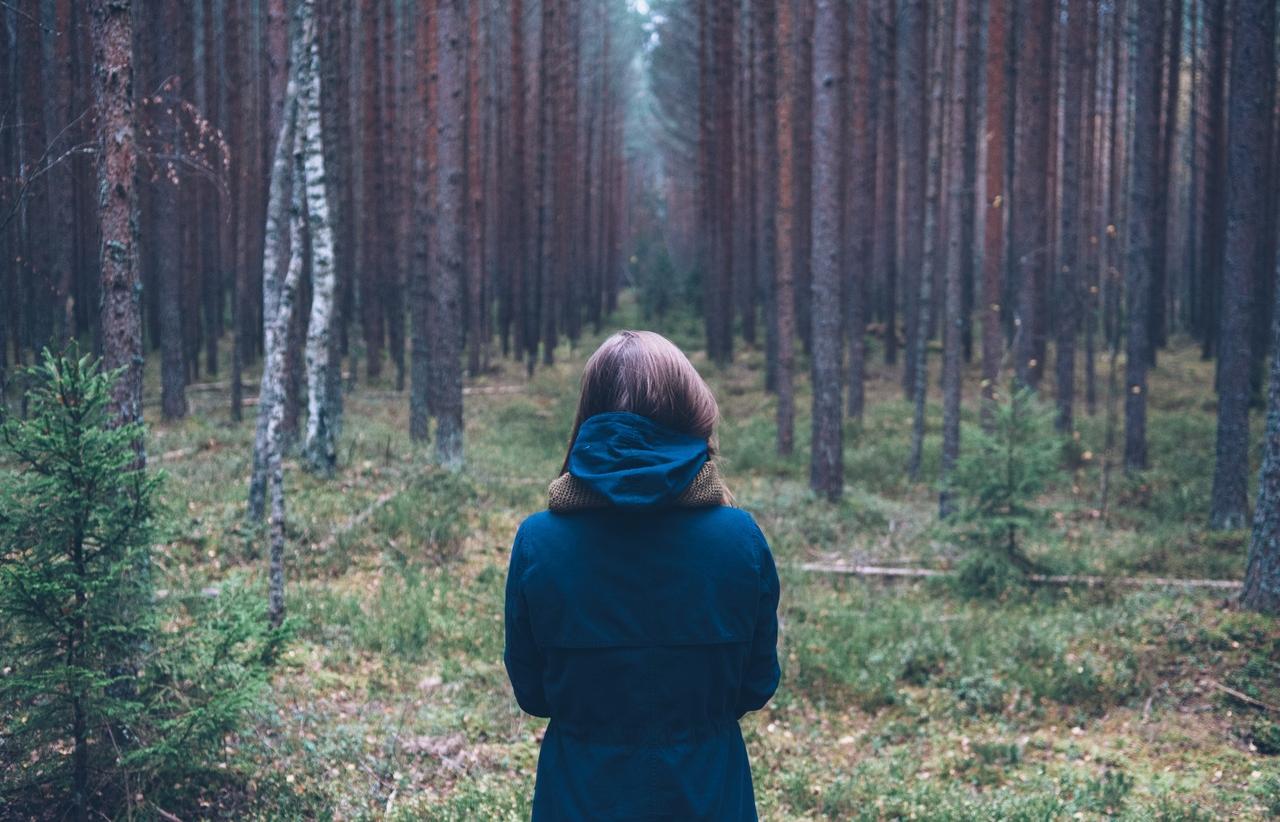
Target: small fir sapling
997, 480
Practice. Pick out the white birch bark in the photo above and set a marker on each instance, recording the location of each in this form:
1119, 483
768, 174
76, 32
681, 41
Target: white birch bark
320, 448
276, 246
273, 372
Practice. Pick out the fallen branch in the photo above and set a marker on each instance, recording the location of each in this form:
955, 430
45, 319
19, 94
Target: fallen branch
1243, 697
1038, 579
359, 519
870, 570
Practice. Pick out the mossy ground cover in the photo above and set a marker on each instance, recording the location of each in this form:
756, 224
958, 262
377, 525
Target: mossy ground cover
898, 700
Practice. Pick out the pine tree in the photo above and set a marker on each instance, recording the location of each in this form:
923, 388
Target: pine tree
995, 486
91, 723
75, 532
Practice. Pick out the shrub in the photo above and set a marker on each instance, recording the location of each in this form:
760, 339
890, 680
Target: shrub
995, 486
105, 694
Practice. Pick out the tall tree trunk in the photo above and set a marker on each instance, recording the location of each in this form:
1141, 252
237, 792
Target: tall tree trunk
996, 142
826, 466
475, 194
285, 224
913, 131
1214, 212
1261, 591
320, 447
420, 391
1028, 228
1069, 292
783, 291
167, 219
885, 253
959, 114
764, 24
447, 250
860, 199
281, 248
112, 33
1140, 233
919, 350
1250, 111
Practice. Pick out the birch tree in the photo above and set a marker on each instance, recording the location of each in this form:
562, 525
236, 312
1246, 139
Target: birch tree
275, 262
319, 449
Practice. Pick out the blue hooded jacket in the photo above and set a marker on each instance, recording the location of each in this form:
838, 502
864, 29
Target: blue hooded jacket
644, 630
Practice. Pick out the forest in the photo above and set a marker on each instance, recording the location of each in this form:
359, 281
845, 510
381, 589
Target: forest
295, 296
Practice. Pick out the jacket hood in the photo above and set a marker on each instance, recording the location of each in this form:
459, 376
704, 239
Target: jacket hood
634, 462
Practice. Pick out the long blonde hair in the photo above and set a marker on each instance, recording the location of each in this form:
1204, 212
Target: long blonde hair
646, 374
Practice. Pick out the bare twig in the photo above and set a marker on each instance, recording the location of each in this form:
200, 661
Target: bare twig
11, 7
43, 164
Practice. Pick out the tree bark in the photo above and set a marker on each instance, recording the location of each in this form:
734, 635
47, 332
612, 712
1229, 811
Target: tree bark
287, 175
1250, 111
918, 349
1028, 229
282, 245
1140, 232
959, 114
885, 253
112, 35
783, 292
320, 447
447, 251
826, 466
764, 24
420, 391
1069, 214
859, 201
913, 133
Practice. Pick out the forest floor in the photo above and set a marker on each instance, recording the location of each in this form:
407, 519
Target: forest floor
899, 699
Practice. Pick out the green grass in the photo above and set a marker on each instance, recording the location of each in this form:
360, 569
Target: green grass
898, 700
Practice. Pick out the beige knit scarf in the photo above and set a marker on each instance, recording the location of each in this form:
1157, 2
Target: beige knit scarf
568, 493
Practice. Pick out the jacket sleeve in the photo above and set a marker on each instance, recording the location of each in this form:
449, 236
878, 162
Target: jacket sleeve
522, 657
762, 673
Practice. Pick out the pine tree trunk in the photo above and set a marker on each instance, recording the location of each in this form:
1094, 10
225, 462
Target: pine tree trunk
1166, 194
1252, 102
918, 349
860, 199
885, 254
166, 219
953, 327
420, 273
783, 291
117, 161
914, 124
764, 24
1261, 590
475, 190
1094, 185
826, 466
1140, 231
1214, 212
1069, 292
1028, 235
447, 251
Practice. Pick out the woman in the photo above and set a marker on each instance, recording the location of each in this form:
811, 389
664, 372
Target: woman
641, 608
